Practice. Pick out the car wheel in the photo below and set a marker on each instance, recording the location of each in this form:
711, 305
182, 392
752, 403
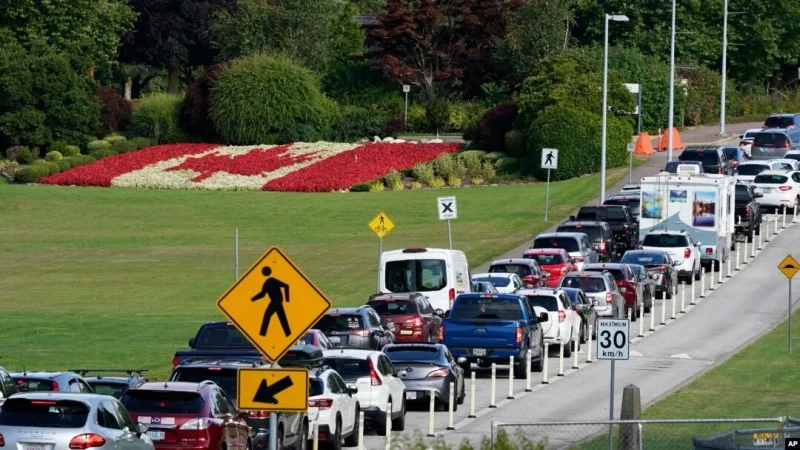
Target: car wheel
669, 291
463, 392
455, 398
352, 440
280, 439
697, 273
583, 333
519, 369
399, 424
466, 367
302, 443
568, 347
538, 365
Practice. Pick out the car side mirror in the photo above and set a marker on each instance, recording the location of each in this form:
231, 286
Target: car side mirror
352, 389
402, 373
191, 342
439, 312
461, 360
571, 217
544, 317
759, 195
546, 274
676, 263
595, 303
141, 428
446, 314
698, 244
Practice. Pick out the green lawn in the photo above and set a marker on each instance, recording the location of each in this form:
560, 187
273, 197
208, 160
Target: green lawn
123, 277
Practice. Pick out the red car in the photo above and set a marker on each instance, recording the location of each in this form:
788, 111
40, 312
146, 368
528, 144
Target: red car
413, 317
528, 270
627, 282
556, 262
187, 416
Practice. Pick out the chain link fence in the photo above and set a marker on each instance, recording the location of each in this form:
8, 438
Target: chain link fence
667, 434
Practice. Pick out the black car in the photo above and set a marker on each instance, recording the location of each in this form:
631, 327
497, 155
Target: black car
779, 120
51, 382
429, 366
647, 283
632, 201
713, 158
619, 218
114, 386
660, 268
747, 211
7, 385
585, 308
356, 328
599, 234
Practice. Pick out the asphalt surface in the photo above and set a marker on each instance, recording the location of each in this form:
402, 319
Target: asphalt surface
661, 360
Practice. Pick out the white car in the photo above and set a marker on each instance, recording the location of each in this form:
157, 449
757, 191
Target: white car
378, 384
787, 164
505, 283
334, 406
682, 249
630, 189
779, 188
565, 323
746, 142
746, 171
792, 154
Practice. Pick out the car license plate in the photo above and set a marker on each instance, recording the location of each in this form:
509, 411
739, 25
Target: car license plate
36, 447
411, 395
156, 435
406, 332
766, 190
479, 351
765, 439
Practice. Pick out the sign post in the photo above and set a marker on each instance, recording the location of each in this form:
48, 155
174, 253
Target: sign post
613, 343
381, 225
406, 90
789, 266
549, 162
631, 148
447, 211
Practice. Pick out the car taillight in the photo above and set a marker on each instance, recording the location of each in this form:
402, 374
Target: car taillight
2, 440
719, 170
661, 267
785, 188
709, 251
321, 403
438, 373
603, 246
88, 440
580, 259
785, 145
518, 335
564, 270
441, 333
747, 213
175, 361
362, 333
451, 295
258, 414
609, 298
199, 423
562, 316
687, 252
54, 386
417, 322
373, 374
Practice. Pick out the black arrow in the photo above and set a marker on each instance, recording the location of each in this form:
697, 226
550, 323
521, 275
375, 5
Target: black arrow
266, 393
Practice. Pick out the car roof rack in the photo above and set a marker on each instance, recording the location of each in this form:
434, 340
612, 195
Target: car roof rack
130, 372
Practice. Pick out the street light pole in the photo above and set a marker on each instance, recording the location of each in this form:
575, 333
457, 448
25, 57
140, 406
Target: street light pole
671, 86
608, 18
724, 70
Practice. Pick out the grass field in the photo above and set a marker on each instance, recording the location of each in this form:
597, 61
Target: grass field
123, 277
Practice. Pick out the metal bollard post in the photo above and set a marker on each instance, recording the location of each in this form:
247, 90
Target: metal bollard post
389, 426
561, 358
663, 309
431, 416
641, 319
794, 213
544, 369
315, 436
589, 346
528, 377
629, 314
511, 377
361, 430
450, 405
575, 353
674, 304
683, 297
472, 398
492, 402
702, 282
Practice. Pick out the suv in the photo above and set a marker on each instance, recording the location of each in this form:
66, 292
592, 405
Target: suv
114, 386
564, 324
180, 414
627, 282
7, 386
747, 210
601, 289
773, 143
619, 218
577, 245
713, 158
412, 315
554, 261
778, 120
51, 382
356, 328
333, 406
681, 248
292, 427
746, 172
599, 234
529, 271
632, 201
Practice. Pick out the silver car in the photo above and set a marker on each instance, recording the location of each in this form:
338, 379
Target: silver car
54, 421
601, 289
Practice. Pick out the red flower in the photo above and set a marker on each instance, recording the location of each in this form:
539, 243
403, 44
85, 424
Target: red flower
255, 162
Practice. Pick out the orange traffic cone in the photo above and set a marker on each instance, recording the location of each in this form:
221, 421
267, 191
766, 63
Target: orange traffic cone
644, 146
677, 144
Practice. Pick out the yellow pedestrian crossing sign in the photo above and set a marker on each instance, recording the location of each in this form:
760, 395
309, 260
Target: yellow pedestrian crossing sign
381, 225
789, 266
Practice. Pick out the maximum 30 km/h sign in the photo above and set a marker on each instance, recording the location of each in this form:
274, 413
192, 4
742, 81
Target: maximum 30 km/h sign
613, 341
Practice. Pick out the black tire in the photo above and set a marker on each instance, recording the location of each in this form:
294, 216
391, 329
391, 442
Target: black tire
439, 405
352, 439
463, 393
399, 424
669, 291
280, 445
466, 367
568, 348
248, 445
538, 365
583, 333
302, 443
519, 369
697, 273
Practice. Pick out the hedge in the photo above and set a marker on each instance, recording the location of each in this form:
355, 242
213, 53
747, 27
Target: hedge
156, 117
102, 154
30, 174
124, 146
354, 123
141, 142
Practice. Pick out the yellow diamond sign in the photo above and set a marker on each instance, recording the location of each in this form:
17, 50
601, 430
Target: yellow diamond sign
273, 304
381, 225
789, 266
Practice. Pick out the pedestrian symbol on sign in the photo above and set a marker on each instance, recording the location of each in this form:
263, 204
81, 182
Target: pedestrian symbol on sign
549, 159
273, 287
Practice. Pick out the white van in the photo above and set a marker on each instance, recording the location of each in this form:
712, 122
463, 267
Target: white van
439, 274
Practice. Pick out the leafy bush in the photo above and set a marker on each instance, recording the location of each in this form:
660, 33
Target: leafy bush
423, 173
444, 165
494, 156
38, 162
141, 142
124, 146
395, 127
79, 160
507, 165
355, 123
468, 153
394, 180
473, 162
20, 154
437, 182
515, 143
454, 181
376, 186
98, 154
114, 138
437, 114
494, 125
156, 117
194, 118
53, 155
98, 145
30, 174
63, 164
464, 116
3, 180
415, 185
416, 116
51, 167
115, 111
265, 100
476, 180
360, 187
70, 150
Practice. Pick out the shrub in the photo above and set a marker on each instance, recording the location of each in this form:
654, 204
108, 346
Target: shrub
38, 162
70, 150
115, 111
515, 143
472, 162
394, 180
436, 182
507, 165
454, 181
98, 154
360, 187
30, 174
415, 185
124, 146
395, 127
444, 165
468, 153
265, 100
79, 160
494, 156
141, 142
194, 118
51, 167
20, 154
3, 180
114, 138
355, 123
477, 180
436, 114
464, 116
98, 145
376, 186
53, 155
156, 117
494, 125
416, 117
63, 164
423, 173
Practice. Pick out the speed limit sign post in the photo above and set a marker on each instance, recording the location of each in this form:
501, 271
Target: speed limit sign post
613, 343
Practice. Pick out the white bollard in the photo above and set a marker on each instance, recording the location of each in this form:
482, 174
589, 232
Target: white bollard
728, 267
511, 377
691, 300
389, 426
653, 315
776, 225
492, 401
589, 346
738, 256
760, 240
641, 319
629, 314
575, 353
315, 436
663, 309
719, 272
544, 369
794, 213
431, 415
450, 406
674, 304
711, 278
561, 358
528, 377
702, 282
746, 253
361, 430
784, 217
472, 397
683, 297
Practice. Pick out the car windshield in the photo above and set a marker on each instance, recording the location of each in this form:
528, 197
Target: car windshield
487, 308
416, 275
751, 134
496, 281
23, 412
631, 202
573, 296
405, 353
317, 387
617, 273
225, 336
751, 169
547, 302
349, 369
600, 213
643, 258
340, 322
34, 385
779, 122
731, 152
568, 244
104, 388
162, 402
592, 232
523, 270
770, 179
547, 259
742, 193
394, 307
794, 156
222, 377
665, 240
708, 158
587, 284
770, 140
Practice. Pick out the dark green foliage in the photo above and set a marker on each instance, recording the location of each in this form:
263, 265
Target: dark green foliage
264, 100
141, 142
53, 155
355, 123
30, 174
194, 118
507, 165
63, 164
437, 112
20, 154
494, 125
355, 83
360, 187
96, 145
50, 167
123, 146
70, 150
115, 112
80, 160
102, 154
156, 117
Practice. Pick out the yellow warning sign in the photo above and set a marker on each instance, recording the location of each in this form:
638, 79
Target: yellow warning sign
273, 304
789, 266
381, 225
262, 389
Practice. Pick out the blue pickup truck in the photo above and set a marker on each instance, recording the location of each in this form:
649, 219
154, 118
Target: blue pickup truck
488, 328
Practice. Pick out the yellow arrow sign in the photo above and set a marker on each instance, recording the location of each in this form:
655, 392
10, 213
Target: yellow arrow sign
789, 266
381, 225
262, 389
273, 304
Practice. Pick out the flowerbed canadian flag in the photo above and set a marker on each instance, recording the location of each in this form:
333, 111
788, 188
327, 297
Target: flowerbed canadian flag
300, 167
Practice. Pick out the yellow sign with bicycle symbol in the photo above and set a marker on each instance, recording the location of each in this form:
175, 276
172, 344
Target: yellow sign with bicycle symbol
381, 225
